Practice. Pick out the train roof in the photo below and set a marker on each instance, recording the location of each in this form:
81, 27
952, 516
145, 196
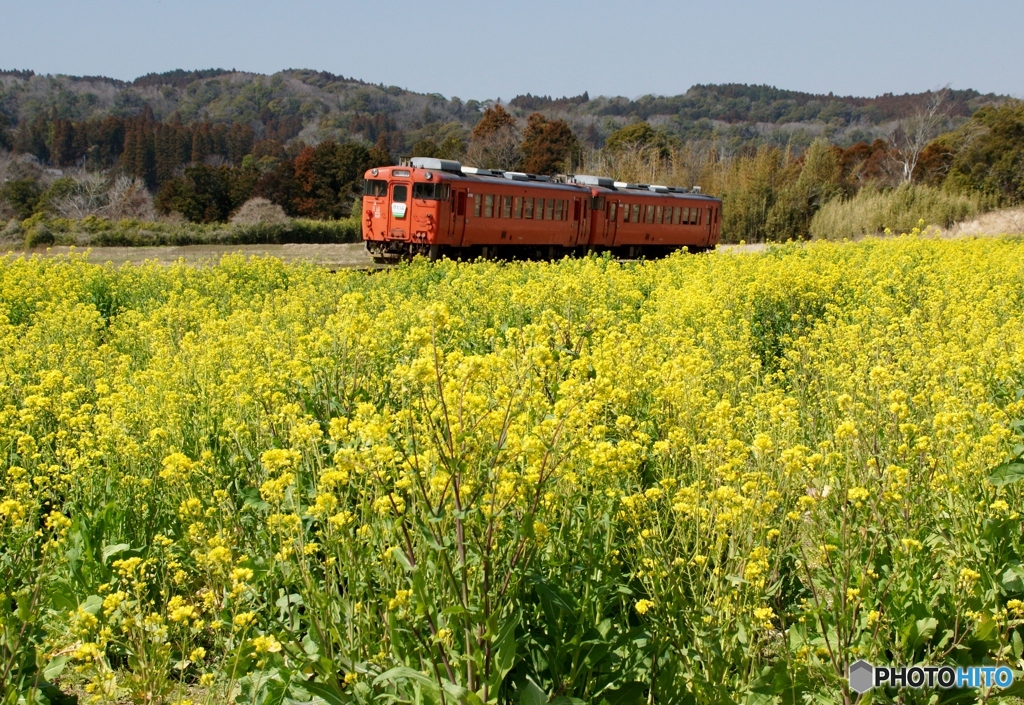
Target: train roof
450, 170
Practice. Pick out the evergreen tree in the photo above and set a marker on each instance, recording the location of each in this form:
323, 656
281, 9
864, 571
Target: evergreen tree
547, 145
380, 154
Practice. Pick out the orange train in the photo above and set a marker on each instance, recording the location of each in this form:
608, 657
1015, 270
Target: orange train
438, 207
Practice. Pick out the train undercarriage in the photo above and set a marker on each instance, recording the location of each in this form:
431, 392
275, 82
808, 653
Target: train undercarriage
392, 252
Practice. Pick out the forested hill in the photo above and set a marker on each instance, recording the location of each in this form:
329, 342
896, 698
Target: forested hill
312, 106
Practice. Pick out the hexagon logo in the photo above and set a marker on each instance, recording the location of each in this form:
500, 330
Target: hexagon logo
861, 676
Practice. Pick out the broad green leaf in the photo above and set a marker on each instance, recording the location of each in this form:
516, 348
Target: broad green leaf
627, 694
505, 649
114, 550
1013, 578
56, 667
404, 673
532, 695
922, 630
1007, 473
403, 560
92, 604
326, 693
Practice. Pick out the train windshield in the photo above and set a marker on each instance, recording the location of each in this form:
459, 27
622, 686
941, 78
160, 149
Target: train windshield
375, 187
430, 192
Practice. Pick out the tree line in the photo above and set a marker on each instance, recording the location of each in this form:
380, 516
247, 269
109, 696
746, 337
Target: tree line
206, 170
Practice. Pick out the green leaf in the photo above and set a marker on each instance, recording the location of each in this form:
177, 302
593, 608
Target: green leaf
402, 559
326, 693
922, 631
117, 548
532, 694
1013, 578
1007, 473
92, 604
629, 693
56, 666
505, 649
404, 673
1017, 645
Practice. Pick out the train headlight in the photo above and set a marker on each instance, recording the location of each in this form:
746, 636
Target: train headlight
428, 176
373, 171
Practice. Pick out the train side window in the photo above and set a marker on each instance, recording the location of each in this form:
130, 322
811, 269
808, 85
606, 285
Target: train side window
528, 208
649, 214
677, 215
506, 207
625, 212
612, 211
539, 215
430, 192
549, 209
686, 216
517, 207
635, 217
559, 210
489, 206
659, 213
476, 205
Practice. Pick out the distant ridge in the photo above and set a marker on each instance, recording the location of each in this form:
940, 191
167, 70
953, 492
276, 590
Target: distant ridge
323, 105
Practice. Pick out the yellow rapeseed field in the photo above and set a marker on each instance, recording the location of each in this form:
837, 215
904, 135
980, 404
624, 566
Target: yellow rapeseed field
705, 479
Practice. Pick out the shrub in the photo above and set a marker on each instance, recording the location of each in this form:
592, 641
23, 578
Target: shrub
257, 211
899, 210
102, 232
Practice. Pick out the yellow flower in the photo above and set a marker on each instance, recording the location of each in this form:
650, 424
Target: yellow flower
266, 645
643, 606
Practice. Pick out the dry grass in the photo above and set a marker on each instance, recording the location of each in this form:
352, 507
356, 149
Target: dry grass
1009, 221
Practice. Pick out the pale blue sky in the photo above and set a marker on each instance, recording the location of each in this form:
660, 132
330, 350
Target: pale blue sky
487, 49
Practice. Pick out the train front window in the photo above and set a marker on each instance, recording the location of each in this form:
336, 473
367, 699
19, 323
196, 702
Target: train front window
430, 192
400, 193
375, 187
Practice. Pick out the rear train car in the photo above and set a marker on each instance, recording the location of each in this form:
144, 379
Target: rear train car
438, 207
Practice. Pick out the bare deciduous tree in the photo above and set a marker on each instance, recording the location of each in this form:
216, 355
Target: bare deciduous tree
128, 197
500, 149
88, 197
912, 134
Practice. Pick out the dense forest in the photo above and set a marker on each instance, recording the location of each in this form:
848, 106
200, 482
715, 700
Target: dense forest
198, 145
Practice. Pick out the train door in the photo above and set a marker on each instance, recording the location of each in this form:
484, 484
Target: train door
579, 218
398, 217
611, 222
457, 225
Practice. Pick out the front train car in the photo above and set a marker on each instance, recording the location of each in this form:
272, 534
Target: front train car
410, 210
